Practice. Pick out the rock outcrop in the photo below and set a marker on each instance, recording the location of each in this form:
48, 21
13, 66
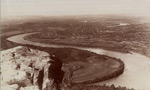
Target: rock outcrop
23, 68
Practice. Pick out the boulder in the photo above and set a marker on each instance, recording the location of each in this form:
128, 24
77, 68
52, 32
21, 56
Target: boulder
28, 68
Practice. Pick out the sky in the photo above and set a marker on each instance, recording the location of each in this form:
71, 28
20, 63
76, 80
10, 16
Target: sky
11, 8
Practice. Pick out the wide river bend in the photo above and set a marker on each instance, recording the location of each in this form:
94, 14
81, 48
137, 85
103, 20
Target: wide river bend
137, 67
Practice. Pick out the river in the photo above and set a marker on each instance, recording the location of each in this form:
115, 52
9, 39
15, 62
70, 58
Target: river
137, 67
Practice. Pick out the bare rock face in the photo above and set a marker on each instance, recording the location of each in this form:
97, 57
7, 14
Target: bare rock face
27, 68
10, 87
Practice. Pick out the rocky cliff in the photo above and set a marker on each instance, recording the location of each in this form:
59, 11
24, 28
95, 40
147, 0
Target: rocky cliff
24, 68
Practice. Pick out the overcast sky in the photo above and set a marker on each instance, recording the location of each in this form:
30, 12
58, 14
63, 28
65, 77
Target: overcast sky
74, 7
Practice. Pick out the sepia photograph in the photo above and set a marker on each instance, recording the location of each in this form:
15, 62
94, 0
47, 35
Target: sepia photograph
75, 45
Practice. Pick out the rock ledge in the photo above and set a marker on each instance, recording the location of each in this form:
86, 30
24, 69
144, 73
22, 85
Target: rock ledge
24, 68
